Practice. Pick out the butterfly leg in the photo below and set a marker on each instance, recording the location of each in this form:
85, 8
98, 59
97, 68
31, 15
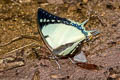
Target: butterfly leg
71, 60
53, 57
58, 64
56, 60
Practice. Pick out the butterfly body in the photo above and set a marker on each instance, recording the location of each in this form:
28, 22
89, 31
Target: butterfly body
62, 36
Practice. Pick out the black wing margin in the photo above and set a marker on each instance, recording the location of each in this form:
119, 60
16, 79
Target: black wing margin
45, 18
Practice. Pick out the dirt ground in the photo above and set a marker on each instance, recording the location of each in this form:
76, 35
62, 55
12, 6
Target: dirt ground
18, 17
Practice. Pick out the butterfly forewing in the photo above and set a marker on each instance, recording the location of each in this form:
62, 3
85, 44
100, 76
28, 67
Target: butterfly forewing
45, 18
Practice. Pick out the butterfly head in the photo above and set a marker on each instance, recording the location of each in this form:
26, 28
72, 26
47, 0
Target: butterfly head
89, 34
92, 34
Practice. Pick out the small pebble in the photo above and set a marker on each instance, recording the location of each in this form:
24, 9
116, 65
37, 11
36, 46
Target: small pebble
85, 1
55, 1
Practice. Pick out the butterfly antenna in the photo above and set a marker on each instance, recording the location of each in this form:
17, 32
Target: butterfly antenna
83, 23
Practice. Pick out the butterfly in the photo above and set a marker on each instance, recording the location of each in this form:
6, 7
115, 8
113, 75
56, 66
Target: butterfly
63, 36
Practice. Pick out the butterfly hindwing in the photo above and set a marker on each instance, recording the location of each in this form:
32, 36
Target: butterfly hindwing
80, 57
